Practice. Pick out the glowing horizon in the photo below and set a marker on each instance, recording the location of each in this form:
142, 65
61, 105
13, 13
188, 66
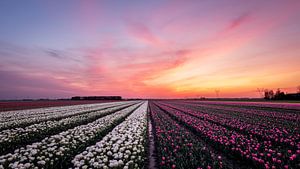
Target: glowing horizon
161, 49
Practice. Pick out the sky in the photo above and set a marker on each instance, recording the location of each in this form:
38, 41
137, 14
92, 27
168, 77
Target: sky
148, 49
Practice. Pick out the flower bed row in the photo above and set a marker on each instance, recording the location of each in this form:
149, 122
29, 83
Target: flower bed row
273, 113
21, 114
11, 139
57, 115
265, 132
177, 147
243, 147
123, 147
273, 117
291, 106
57, 151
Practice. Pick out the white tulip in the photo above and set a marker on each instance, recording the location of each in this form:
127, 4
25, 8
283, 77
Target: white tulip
38, 154
123, 143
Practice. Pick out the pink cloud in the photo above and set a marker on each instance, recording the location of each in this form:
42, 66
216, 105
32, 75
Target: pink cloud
143, 33
242, 19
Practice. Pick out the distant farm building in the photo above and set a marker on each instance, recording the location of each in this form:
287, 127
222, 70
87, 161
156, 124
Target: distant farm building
292, 96
96, 98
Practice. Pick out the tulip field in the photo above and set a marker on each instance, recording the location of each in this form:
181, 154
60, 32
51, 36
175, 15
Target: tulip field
203, 134
186, 134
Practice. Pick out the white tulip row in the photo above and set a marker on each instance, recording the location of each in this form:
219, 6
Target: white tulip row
56, 149
123, 147
54, 116
10, 138
19, 114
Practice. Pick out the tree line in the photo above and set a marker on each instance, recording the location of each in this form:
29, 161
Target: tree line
280, 95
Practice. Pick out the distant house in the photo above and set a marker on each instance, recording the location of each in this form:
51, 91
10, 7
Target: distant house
292, 96
96, 98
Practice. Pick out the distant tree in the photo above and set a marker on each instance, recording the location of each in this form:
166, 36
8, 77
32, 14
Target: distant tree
279, 95
269, 94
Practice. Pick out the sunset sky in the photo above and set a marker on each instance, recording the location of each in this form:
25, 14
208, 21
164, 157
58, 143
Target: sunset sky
162, 49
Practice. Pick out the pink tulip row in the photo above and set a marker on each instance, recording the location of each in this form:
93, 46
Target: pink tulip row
178, 147
262, 154
273, 114
294, 106
276, 114
244, 114
280, 135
